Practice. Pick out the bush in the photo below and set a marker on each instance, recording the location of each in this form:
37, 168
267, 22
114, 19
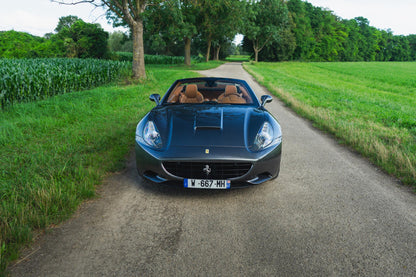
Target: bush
150, 59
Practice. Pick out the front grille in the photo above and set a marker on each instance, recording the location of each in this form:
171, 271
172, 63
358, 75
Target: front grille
199, 170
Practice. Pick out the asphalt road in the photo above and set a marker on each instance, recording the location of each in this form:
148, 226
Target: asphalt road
329, 213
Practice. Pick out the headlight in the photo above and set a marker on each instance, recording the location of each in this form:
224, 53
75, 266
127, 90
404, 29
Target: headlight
151, 135
265, 137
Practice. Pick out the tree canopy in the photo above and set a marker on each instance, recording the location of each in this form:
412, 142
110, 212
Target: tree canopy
74, 39
274, 30
83, 40
264, 23
317, 34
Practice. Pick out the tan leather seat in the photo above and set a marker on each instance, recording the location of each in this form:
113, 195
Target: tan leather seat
191, 95
231, 96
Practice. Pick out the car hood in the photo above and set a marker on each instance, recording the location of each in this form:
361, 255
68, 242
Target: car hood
207, 125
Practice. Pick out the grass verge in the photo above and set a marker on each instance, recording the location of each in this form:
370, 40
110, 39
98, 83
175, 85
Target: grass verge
203, 65
238, 58
369, 106
54, 152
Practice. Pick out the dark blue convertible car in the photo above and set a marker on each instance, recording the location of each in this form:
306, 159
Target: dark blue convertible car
209, 133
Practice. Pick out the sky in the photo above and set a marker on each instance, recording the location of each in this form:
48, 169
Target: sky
397, 15
39, 17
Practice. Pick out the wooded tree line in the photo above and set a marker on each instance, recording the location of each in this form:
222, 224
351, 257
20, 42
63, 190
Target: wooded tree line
316, 34
274, 30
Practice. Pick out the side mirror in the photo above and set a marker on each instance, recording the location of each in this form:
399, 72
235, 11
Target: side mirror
155, 98
266, 99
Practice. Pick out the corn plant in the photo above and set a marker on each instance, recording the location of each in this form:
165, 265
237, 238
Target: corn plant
151, 59
23, 80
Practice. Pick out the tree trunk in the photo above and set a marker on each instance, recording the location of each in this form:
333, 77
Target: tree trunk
187, 51
209, 49
217, 53
256, 55
139, 71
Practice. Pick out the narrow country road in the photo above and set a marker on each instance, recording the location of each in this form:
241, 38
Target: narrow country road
329, 213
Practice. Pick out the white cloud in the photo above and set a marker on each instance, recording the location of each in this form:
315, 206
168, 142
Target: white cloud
396, 15
41, 16
24, 21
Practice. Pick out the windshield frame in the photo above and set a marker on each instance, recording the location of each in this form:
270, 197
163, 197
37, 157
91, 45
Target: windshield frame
208, 83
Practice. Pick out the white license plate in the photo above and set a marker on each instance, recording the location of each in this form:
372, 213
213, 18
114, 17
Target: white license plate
206, 184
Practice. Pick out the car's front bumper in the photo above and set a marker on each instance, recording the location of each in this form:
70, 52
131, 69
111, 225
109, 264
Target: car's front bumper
265, 165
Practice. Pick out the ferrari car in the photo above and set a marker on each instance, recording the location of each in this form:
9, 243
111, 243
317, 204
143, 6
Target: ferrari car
209, 133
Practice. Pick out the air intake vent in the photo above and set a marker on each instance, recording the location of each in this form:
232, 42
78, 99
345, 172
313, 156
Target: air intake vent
206, 170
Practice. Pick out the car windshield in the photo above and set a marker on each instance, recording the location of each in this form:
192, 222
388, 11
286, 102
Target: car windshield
209, 91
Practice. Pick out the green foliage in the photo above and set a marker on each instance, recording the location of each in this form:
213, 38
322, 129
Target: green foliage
74, 39
220, 21
279, 31
19, 45
238, 58
150, 59
123, 56
370, 106
168, 23
84, 40
316, 34
159, 59
302, 30
35, 79
66, 22
171, 23
119, 42
412, 47
266, 23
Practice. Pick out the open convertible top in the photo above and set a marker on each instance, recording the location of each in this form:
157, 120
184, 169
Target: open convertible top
210, 90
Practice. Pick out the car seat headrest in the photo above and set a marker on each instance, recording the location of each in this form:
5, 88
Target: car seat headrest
191, 91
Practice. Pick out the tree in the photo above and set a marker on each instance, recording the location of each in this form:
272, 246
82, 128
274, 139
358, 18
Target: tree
265, 21
350, 51
302, 30
220, 22
184, 22
128, 12
400, 48
188, 26
117, 42
412, 45
172, 23
368, 43
66, 22
83, 40
18, 45
329, 34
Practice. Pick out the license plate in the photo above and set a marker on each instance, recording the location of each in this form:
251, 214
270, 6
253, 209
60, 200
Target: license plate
206, 184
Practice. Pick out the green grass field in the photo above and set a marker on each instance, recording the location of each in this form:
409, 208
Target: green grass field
369, 106
238, 58
54, 152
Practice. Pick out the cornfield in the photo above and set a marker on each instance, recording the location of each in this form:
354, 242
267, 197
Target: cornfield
23, 80
159, 59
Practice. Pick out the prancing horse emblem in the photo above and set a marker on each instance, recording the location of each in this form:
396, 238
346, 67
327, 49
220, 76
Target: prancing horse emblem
207, 169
